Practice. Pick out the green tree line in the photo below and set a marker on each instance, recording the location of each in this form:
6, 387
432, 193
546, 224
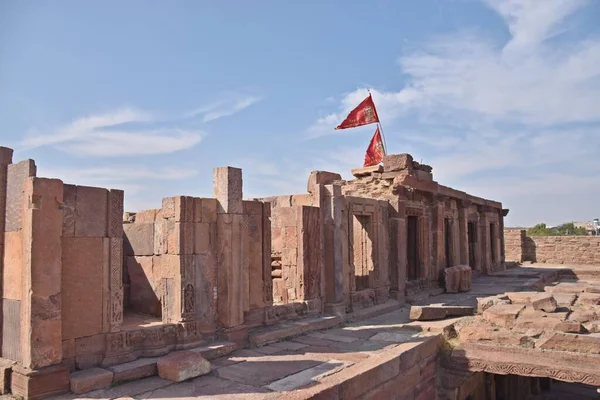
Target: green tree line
567, 229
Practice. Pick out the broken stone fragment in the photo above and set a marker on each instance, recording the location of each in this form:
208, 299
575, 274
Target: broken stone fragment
183, 365
544, 302
430, 313
503, 314
487, 302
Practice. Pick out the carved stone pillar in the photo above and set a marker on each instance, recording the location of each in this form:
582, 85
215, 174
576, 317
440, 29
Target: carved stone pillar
333, 242
439, 254
485, 242
5, 160
231, 229
463, 231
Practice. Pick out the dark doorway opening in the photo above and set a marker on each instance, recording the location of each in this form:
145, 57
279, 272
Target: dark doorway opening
472, 241
412, 247
448, 241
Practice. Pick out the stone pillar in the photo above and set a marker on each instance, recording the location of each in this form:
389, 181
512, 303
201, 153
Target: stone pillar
42, 263
439, 252
485, 242
456, 243
231, 229
5, 160
398, 258
463, 235
383, 261
115, 248
503, 214
333, 242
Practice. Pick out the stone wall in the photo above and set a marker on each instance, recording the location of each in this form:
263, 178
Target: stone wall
513, 242
577, 250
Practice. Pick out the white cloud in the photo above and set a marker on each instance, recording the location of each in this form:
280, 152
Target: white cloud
230, 105
107, 135
516, 121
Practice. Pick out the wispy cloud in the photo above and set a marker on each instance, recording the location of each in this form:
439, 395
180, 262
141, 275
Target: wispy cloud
229, 105
118, 133
504, 120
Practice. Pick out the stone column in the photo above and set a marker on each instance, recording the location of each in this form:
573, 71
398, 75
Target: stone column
439, 253
5, 160
463, 229
231, 228
398, 258
333, 243
484, 235
383, 260
456, 238
42, 264
502, 244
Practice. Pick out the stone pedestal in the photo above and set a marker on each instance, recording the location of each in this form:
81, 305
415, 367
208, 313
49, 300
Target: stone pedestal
40, 383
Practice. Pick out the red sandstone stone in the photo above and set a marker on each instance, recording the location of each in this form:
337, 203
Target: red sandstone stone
92, 212
90, 379
570, 342
183, 365
521, 297
588, 299
317, 178
487, 302
544, 302
503, 314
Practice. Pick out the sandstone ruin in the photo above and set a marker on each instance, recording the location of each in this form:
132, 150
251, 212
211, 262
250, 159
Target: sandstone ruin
93, 296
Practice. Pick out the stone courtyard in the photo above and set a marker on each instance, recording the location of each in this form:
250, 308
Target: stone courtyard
386, 286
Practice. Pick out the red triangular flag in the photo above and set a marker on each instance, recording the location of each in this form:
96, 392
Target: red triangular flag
375, 151
364, 114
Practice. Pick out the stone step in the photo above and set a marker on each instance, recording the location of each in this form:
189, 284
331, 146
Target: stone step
146, 367
370, 312
263, 336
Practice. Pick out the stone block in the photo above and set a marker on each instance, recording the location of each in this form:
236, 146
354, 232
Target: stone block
39, 384
559, 341
160, 237
430, 313
178, 367
69, 209
543, 302
184, 209
89, 351
503, 314
567, 287
209, 210
253, 207
202, 238
397, 162
92, 210
458, 279
317, 178
521, 297
366, 171
564, 299
12, 280
82, 286
17, 174
168, 208
230, 253
145, 216
588, 299
138, 369
90, 379
227, 187
197, 209
42, 231
138, 239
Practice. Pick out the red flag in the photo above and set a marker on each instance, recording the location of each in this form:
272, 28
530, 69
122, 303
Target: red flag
364, 114
375, 151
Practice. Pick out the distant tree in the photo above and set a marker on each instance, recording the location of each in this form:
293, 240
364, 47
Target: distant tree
567, 229
538, 230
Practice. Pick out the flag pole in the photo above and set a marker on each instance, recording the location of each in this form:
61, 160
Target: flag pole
385, 148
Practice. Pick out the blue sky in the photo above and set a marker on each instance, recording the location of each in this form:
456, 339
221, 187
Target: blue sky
501, 97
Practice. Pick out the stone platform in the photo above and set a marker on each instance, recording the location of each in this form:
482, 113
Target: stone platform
387, 356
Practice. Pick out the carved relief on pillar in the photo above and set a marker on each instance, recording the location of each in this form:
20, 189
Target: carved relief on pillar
188, 279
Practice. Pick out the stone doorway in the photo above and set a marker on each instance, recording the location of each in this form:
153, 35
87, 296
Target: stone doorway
412, 247
472, 242
363, 251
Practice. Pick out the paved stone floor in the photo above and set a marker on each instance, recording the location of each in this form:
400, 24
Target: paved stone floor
313, 359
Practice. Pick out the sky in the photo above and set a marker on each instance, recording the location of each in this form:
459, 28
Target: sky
501, 97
